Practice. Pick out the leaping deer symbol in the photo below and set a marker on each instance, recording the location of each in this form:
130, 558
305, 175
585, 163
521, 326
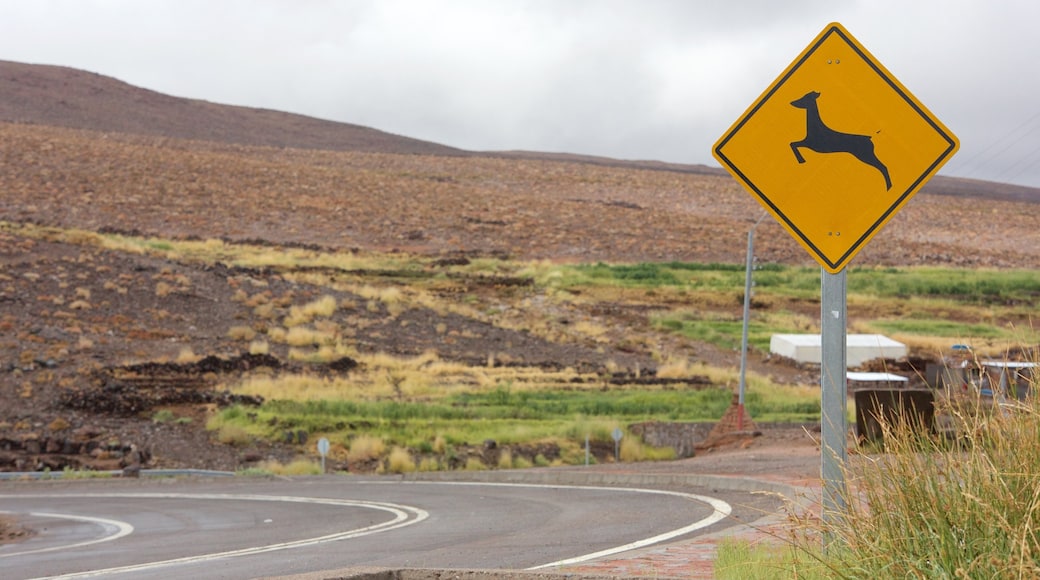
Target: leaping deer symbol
822, 139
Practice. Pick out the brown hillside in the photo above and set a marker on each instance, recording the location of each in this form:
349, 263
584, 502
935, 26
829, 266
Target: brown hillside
66, 97
432, 205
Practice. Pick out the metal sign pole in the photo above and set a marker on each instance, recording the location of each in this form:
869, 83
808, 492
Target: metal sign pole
744, 332
749, 267
833, 393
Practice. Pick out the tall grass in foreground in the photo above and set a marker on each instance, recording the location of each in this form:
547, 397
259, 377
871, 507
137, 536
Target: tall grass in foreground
932, 507
963, 509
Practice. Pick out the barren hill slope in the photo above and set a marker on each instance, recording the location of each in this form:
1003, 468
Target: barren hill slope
529, 209
67, 97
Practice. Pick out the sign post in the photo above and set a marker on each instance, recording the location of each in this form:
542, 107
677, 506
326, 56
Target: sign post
833, 393
833, 148
749, 267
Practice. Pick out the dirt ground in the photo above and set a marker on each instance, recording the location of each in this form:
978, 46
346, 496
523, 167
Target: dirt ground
11, 531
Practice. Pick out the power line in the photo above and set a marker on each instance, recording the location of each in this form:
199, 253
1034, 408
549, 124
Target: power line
1034, 154
978, 161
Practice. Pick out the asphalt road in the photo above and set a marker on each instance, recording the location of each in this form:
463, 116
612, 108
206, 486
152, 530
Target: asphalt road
245, 528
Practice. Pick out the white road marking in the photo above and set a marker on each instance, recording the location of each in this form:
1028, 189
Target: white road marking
403, 516
721, 510
119, 529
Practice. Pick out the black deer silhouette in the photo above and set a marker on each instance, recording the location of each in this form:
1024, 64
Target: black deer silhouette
822, 139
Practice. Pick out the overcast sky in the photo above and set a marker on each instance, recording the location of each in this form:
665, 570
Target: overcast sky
636, 79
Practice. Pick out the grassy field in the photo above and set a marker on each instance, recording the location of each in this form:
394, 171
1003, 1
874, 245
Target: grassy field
425, 404
991, 309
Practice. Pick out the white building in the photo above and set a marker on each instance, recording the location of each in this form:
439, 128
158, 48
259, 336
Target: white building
859, 348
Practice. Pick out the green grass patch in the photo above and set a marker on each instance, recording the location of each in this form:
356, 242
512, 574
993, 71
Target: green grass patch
726, 332
972, 286
506, 415
630, 405
942, 328
975, 286
652, 274
740, 560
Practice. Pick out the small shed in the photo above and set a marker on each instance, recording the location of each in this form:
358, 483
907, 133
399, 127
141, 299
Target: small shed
859, 348
1013, 379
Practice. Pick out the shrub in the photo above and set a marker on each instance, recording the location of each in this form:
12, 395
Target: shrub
475, 464
187, 355
322, 307
163, 416
265, 311
301, 336
277, 334
295, 467
235, 435
400, 461
365, 448
259, 347
429, 464
632, 450
440, 445
241, 333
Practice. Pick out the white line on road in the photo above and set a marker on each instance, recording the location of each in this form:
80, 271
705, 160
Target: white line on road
403, 516
118, 528
720, 510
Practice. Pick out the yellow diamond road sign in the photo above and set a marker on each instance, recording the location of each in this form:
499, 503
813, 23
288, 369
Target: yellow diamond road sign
835, 147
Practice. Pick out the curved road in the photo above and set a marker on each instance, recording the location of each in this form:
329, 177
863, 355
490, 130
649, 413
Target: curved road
241, 528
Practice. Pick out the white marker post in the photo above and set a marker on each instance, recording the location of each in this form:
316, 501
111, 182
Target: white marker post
323, 450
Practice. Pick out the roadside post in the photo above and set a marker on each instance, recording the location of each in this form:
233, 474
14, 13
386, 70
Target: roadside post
833, 149
748, 285
323, 450
617, 435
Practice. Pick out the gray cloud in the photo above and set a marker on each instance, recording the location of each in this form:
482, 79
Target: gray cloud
657, 79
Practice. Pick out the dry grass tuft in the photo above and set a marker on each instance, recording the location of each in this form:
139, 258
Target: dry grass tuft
295, 467
323, 307
365, 448
505, 459
242, 333
400, 461
475, 464
259, 347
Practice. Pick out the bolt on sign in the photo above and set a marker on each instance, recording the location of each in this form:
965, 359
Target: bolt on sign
835, 147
